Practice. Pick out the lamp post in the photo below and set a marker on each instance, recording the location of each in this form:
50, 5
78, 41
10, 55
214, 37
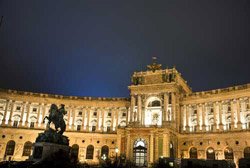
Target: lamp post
116, 151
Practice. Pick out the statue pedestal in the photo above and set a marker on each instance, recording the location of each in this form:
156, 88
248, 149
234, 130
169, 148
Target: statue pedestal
44, 150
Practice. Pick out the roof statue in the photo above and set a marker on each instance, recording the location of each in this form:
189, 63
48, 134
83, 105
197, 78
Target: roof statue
154, 67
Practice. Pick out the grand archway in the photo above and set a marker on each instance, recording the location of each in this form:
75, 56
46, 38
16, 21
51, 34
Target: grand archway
140, 152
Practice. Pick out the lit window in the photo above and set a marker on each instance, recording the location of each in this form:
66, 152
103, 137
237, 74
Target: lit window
78, 127
18, 108
32, 124
90, 152
15, 123
27, 148
10, 148
93, 128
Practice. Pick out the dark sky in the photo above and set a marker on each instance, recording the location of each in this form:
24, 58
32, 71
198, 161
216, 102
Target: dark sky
92, 47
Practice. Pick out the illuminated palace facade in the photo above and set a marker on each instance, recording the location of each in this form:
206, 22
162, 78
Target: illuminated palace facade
162, 118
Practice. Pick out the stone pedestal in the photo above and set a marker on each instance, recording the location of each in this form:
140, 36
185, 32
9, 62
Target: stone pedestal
43, 150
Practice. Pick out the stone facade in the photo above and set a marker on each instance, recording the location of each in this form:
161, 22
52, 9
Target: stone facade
162, 118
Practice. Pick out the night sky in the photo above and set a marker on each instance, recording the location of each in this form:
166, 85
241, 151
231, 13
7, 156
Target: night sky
92, 47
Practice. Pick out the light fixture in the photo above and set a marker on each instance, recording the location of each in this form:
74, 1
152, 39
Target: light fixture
116, 150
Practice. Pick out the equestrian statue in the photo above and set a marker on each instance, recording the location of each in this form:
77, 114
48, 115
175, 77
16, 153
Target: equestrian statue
56, 117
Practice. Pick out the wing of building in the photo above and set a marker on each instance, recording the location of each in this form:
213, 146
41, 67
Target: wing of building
162, 118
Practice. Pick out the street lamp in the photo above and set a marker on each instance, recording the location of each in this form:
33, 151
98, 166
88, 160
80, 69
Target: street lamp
116, 151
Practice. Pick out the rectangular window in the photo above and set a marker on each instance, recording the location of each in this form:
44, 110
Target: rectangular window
108, 128
32, 124
95, 114
78, 127
15, 123
34, 109
80, 113
18, 108
195, 111
109, 114
124, 114
93, 128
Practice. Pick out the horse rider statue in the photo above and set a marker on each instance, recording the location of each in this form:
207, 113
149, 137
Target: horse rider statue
56, 116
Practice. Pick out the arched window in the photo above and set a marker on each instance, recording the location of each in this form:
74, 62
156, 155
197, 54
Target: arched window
105, 151
193, 153
156, 103
247, 152
210, 153
74, 151
90, 152
228, 152
27, 148
10, 148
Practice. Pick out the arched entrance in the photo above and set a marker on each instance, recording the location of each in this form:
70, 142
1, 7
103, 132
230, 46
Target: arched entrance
247, 152
210, 153
105, 152
140, 152
193, 153
228, 152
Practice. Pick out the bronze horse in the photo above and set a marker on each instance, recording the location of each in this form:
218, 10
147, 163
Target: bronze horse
56, 116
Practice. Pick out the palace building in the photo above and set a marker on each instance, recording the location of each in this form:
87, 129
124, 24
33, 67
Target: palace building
162, 118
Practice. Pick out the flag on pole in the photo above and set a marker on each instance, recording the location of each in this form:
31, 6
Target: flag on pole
154, 58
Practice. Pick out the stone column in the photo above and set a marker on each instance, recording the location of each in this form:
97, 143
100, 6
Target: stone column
127, 115
138, 108
166, 145
38, 115
23, 108
187, 118
198, 117
165, 105
215, 116
177, 112
232, 114
128, 148
112, 119
156, 146
239, 124
151, 159
98, 119
132, 107
11, 113
117, 117
73, 119
173, 106
5, 112
203, 118
68, 121
43, 114
220, 118
102, 127
182, 118
83, 118
119, 139
27, 116
88, 113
